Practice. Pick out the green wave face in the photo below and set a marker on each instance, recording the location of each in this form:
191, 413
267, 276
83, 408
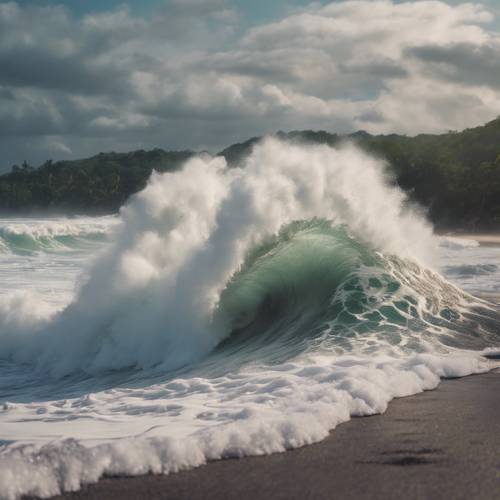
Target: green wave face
314, 287
25, 244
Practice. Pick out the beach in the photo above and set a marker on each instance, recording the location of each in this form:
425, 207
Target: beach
438, 444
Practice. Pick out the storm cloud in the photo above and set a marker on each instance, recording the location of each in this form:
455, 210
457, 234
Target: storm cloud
194, 74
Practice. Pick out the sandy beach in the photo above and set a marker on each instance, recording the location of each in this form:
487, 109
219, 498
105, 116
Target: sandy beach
439, 444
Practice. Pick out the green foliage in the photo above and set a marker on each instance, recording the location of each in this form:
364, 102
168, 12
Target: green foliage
455, 176
100, 184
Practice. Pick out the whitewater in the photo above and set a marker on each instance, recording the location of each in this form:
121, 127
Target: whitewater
228, 312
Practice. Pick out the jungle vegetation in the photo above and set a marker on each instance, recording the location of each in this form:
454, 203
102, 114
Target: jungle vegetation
454, 176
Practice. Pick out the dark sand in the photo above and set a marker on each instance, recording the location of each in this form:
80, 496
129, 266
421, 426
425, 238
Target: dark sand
442, 444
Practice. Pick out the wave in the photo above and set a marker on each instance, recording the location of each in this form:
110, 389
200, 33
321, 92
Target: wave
315, 285
236, 312
27, 236
300, 240
179, 246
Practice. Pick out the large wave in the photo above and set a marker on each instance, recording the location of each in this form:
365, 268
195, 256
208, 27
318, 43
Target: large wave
243, 311
188, 233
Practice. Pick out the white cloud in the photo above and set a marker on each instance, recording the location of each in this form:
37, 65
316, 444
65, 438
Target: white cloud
186, 77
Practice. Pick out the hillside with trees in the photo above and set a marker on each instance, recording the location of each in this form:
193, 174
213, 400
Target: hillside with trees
96, 185
454, 176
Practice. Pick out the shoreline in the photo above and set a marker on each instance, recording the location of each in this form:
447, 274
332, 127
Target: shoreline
438, 444
484, 239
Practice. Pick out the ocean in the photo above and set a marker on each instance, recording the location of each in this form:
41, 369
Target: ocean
228, 312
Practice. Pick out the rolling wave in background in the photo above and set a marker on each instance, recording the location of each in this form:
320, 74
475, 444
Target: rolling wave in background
229, 312
25, 236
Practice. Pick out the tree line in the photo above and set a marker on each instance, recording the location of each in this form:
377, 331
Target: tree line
454, 176
97, 185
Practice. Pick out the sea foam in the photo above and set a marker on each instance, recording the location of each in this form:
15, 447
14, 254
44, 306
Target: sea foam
186, 422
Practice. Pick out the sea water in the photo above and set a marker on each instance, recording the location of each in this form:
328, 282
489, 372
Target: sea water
227, 312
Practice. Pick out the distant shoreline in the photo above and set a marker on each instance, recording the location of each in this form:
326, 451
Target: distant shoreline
452, 176
483, 238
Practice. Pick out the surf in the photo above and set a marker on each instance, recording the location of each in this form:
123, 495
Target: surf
29, 235
179, 245
230, 312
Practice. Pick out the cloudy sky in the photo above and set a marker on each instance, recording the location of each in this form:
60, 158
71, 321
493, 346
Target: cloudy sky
82, 76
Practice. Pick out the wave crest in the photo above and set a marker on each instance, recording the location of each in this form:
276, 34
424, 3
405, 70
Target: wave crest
159, 296
25, 236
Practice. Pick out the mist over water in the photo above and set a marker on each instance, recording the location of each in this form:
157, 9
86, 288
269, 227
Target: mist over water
228, 312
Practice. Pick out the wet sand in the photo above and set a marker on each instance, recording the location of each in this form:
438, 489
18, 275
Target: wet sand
441, 444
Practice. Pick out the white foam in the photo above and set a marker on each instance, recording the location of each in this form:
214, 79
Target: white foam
457, 243
187, 233
57, 226
185, 422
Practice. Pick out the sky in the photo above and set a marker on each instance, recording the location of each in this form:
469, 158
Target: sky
82, 76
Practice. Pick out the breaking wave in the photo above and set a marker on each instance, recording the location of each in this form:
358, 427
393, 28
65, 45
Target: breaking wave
236, 311
26, 236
